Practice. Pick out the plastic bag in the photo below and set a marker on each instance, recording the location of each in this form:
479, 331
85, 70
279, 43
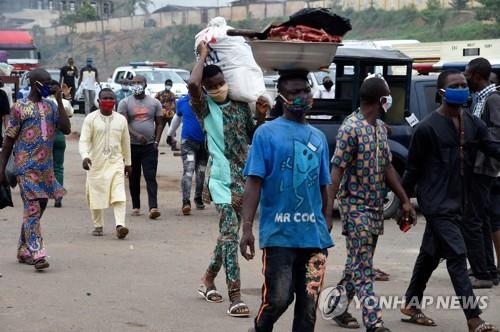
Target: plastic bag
5, 196
234, 56
10, 172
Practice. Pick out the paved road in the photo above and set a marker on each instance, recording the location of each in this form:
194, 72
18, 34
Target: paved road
148, 282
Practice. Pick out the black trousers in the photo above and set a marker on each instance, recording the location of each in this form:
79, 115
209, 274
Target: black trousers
477, 228
144, 157
286, 274
442, 239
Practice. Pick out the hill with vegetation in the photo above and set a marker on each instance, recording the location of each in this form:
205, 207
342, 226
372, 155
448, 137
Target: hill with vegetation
175, 44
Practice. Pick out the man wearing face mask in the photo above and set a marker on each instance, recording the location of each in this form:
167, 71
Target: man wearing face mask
328, 93
478, 237
167, 100
361, 172
105, 151
89, 77
145, 120
288, 171
440, 165
31, 131
124, 92
229, 126
60, 141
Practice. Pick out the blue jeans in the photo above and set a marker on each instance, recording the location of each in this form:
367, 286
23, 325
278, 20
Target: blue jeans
291, 272
194, 161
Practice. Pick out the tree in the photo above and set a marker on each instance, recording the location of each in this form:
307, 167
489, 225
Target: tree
459, 4
131, 5
85, 13
435, 15
490, 10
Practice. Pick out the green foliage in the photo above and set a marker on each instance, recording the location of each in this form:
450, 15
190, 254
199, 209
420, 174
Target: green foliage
130, 6
490, 10
85, 13
435, 15
459, 4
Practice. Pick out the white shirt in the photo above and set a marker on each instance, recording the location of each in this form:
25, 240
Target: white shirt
323, 94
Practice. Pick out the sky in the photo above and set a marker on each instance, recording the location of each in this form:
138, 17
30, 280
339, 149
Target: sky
161, 3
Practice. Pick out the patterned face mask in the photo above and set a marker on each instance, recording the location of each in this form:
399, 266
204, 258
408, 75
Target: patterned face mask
137, 89
298, 105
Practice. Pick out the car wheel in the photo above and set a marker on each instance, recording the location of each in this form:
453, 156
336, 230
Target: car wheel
391, 205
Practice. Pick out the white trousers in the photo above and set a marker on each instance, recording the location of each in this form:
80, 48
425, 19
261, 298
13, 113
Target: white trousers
119, 209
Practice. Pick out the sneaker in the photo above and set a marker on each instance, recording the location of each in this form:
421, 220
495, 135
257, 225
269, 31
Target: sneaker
480, 284
58, 203
186, 208
154, 213
97, 231
121, 232
199, 203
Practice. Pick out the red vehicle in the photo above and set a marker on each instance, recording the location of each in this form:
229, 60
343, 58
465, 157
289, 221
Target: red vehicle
21, 50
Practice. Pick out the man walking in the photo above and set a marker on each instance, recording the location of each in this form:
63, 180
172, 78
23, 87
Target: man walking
477, 223
124, 92
168, 107
31, 132
229, 126
440, 165
145, 121
89, 77
193, 151
288, 171
68, 75
105, 150
361, 171
4, 113
60, 141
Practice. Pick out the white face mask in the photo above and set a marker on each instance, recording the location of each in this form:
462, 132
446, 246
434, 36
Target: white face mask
388, 103
168, 87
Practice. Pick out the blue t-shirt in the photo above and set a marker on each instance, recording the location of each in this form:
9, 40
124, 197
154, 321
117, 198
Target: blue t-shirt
191, 128
293, 161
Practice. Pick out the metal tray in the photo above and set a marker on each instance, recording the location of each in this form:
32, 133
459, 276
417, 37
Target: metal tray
281, 55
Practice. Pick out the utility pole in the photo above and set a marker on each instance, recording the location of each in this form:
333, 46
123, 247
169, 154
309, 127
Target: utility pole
103, 40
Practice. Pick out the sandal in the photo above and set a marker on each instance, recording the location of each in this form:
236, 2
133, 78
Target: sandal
210, 294
97, 231
26, 260
135, 213
379, 329
154, 213
121, 232
41, 264
484, 327
419, 319
238, 309
346, 320
381, 275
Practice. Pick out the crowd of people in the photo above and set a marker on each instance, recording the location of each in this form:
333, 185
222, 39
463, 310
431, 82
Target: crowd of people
453, 169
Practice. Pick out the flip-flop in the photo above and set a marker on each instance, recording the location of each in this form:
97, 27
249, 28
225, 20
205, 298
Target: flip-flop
484, 327
235, 309
210, 295
419, 319
381, 275
346, 321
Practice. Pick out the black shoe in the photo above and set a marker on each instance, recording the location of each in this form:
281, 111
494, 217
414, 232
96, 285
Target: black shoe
58, 203
199, 203
186, 208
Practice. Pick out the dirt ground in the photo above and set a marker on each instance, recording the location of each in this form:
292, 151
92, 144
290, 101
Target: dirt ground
148, 282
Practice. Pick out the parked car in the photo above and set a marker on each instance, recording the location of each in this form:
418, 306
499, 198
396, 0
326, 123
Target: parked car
411, 95
156, 74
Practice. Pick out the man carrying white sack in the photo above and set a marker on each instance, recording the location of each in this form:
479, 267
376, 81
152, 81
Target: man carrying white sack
105, 150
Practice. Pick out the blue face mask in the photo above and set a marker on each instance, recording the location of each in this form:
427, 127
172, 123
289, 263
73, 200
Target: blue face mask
43, 89
456, 97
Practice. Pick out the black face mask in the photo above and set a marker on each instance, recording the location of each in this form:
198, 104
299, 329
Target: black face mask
328, 85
